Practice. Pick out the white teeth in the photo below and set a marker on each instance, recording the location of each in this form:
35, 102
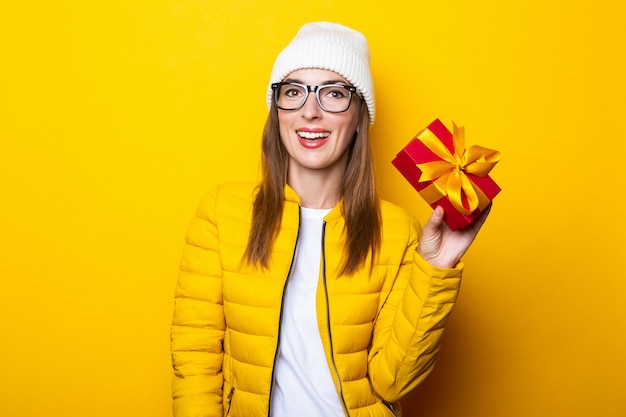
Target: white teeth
313, 135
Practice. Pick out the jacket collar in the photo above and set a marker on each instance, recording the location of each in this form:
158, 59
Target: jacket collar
292, 196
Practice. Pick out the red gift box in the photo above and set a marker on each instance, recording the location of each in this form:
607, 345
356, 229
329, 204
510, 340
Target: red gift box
446, 174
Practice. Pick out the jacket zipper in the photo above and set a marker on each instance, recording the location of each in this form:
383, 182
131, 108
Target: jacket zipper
230, 399
330, 336
280, 317
390, 408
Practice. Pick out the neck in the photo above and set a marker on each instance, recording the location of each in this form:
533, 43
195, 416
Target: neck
316, 190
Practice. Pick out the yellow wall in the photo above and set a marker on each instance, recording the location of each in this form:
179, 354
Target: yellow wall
116, 116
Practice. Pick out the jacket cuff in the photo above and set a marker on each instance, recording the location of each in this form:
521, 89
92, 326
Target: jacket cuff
438, 272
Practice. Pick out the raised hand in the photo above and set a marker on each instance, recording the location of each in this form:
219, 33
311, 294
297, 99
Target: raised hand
443, 247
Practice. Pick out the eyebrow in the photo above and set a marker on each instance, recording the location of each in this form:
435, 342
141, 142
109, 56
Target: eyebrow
337, 81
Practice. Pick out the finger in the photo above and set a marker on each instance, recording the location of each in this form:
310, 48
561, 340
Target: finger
478, 223
434, 222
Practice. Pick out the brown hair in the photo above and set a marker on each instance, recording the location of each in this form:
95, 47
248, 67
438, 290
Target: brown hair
360, 200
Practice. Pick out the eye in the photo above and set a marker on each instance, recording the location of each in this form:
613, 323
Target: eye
336, 92
292, 91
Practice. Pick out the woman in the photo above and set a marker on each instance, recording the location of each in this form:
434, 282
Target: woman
306, 295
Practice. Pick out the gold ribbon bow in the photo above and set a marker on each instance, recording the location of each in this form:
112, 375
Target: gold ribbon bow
449, 175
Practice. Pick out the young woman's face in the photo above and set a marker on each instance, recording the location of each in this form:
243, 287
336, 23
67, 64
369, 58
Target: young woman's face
314, 138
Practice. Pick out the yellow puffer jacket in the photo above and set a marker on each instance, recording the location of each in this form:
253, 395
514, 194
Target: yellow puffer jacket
381, 330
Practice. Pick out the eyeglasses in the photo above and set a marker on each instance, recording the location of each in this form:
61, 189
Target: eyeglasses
333, 98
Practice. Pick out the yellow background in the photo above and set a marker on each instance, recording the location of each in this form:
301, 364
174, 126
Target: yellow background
116, 116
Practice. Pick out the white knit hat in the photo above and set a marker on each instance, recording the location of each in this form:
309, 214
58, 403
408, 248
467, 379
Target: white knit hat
329, 46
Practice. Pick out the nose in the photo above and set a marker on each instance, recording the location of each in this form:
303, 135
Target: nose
311, 108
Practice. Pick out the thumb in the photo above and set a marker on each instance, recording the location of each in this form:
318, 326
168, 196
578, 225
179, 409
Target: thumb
431, 237
433, 224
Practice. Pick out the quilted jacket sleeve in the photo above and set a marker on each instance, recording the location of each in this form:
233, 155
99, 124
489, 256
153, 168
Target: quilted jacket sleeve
408, 330
198, 324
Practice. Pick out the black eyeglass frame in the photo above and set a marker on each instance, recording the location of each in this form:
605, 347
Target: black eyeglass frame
314, 89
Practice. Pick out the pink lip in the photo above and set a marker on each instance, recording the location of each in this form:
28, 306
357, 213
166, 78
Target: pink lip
312, 143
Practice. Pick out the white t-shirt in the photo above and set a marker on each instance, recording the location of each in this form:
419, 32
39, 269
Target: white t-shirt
303, 384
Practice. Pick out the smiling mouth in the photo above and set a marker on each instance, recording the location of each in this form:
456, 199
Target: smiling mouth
312, 135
